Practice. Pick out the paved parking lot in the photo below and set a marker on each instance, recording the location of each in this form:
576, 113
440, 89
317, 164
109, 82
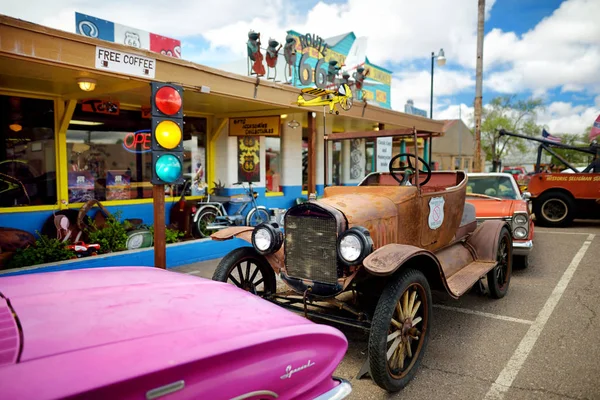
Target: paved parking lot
542, 341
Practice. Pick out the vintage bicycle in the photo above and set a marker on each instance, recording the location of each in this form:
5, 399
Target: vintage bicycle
211, 215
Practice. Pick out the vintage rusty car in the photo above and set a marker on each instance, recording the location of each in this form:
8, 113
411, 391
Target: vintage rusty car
369, 255
496, 195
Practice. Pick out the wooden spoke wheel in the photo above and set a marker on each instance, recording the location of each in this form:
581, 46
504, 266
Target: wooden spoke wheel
248, 270
399, 333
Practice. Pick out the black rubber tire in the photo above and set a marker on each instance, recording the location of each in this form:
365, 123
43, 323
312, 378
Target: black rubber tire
197, 231
497, 290
246, 254
521, 262
380, 326
561, 197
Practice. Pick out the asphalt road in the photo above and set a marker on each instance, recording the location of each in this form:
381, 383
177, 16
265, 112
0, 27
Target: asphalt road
542, 341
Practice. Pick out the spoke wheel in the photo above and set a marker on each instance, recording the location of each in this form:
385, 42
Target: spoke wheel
257, 216
248, 270
499, 277
205, 218
400, 330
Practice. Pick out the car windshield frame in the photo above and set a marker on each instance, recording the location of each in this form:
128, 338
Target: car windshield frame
493, 187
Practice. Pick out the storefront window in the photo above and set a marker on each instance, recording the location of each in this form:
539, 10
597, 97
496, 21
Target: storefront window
110, 156
273, 164
27, 152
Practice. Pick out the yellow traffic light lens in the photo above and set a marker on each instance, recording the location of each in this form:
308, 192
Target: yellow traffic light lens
168, 134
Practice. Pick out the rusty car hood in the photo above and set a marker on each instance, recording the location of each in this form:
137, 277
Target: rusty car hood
367, 203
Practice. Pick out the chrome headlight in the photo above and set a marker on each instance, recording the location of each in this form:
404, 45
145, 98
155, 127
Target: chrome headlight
267, 239
520, 233
520, 219
354, 245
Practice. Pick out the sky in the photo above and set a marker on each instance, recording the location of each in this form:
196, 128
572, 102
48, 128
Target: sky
548, 49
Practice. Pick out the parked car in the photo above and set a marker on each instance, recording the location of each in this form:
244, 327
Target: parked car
496, 196
139, 332
372, 254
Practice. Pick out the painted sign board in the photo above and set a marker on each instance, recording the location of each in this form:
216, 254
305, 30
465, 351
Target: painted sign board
93, 27
248, 159
255, 126
384, 154
409, 108
125, 63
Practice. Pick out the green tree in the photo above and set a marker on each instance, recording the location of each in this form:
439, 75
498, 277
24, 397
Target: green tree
573, 157
518, 116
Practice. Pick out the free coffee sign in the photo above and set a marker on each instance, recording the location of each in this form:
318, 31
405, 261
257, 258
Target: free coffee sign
125, 63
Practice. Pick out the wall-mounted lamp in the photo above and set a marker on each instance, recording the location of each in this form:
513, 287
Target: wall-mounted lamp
86, 84
283, 116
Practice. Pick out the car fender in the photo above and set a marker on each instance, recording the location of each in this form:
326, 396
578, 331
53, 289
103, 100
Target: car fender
275, 260
484, 240
390, 258
209, 206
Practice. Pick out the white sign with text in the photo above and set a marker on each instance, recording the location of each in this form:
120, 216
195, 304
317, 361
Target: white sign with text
125, 63
384, 154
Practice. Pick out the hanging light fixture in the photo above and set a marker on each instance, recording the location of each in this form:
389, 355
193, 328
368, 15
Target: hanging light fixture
86, 84
16, 127
293, 124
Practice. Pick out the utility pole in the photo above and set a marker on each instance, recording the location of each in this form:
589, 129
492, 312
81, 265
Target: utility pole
479, 84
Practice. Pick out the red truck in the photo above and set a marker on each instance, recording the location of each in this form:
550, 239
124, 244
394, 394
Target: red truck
558, 198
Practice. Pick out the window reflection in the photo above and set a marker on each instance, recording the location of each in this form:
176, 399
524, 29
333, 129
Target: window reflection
27, 152
110, 157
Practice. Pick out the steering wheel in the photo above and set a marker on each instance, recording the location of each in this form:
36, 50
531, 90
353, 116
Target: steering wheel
410, 168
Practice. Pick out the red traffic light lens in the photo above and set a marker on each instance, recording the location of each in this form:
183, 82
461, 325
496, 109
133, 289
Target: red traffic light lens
168, 100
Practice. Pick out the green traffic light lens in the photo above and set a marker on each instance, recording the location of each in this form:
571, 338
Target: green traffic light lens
168, 168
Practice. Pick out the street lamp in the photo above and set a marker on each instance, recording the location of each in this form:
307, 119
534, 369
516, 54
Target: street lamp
441, 61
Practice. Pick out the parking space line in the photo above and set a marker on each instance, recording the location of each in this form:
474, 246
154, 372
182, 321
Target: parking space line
192, 272
514, 365
484, 314
561, 232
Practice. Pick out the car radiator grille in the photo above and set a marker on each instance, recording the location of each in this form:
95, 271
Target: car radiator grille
310, 248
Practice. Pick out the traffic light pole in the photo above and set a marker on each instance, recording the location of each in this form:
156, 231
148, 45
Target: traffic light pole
160, 246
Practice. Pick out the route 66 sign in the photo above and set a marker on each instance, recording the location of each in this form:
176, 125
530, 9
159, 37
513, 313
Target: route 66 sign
436, 212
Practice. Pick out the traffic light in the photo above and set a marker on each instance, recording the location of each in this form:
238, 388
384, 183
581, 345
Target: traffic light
167, 133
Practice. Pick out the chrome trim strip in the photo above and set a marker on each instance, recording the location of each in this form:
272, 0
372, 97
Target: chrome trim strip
339, 392
164, 390
256, 393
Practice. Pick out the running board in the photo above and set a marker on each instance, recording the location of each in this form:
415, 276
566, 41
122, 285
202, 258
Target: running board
466, 277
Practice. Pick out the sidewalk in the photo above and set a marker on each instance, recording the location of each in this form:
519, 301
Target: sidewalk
205, 269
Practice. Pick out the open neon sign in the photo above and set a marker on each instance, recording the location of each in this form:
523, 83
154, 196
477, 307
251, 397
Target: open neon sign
138, 142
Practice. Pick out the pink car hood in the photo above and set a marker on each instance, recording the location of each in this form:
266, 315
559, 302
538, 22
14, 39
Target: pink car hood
65, 311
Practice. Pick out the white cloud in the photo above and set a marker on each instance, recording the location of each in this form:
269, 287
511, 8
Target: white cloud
416, 85
562, 51
562, 117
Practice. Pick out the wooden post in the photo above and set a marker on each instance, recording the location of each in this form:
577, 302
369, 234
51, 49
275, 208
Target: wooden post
417, 184
312, 156
479, 84
160, 249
